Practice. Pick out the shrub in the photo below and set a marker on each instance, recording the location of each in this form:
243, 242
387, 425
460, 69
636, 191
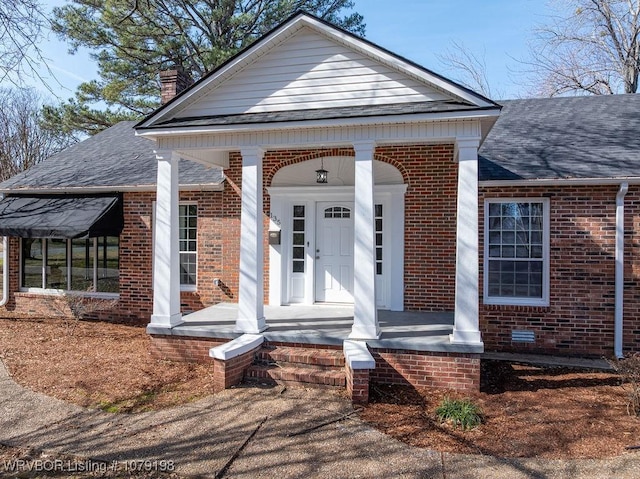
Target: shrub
459, 412
629, 369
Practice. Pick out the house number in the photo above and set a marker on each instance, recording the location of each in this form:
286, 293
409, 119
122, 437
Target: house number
275, 219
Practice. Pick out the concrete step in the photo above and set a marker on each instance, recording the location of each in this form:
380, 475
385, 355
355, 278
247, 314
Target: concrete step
296, 376
288, 356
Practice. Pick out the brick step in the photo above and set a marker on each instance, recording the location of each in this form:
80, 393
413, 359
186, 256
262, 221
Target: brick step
301, 357
288, 375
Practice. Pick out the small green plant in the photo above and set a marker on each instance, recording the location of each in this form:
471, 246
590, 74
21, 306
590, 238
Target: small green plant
459, 412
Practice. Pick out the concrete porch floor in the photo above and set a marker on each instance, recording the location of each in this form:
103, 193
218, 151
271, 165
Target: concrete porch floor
326, 324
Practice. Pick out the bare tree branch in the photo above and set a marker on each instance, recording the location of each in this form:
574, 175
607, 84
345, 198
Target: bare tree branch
593, 47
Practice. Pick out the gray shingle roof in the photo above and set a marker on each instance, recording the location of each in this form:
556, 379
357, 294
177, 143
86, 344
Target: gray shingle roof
320, 114
114, 158
563, 138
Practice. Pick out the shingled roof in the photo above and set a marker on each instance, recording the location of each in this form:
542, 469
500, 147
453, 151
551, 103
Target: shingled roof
564, 138
114, 159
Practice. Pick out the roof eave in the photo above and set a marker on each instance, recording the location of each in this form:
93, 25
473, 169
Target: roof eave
109, 189
632, 180
479, 113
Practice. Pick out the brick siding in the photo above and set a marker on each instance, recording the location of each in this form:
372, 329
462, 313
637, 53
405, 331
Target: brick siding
426, 369
580, 317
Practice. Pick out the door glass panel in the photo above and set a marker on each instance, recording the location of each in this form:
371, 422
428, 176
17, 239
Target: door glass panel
298, 240
378, 211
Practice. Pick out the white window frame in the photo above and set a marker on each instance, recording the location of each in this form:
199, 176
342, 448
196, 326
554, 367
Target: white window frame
45, 290
189, 287
514, 300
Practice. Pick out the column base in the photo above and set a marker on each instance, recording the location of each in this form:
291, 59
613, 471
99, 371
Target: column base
166, 321
365, 333
466, 337
250, 325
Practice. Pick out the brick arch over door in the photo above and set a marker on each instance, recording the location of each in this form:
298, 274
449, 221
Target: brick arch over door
276, 160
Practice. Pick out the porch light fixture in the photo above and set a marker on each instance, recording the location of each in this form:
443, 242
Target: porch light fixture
321, 174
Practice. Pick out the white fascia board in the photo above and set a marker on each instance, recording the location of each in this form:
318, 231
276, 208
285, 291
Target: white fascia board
335, 122
632, 180
398, 63
109, 189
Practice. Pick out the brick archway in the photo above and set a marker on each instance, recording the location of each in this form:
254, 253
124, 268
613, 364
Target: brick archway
274, 161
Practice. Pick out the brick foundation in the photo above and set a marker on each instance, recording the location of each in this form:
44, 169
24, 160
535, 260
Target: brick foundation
358, 385
183, 348
416, 368
231, 372
427, 369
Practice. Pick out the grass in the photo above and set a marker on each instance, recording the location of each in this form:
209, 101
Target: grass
459, 412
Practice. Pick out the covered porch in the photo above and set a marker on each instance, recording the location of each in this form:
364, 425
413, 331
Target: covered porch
326, 325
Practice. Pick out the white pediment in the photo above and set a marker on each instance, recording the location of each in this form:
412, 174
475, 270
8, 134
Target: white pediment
307, 64
310, 71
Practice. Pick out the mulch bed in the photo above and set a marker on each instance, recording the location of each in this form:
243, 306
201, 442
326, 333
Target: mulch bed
528, 411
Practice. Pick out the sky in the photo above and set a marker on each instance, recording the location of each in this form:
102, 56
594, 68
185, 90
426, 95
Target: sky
497, 31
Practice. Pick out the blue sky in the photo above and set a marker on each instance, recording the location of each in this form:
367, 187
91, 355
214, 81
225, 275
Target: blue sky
419, 30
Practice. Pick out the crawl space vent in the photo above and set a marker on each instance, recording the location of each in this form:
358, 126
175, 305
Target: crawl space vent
523, 336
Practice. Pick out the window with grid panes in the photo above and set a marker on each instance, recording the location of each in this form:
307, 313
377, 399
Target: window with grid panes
188, 220
516, 251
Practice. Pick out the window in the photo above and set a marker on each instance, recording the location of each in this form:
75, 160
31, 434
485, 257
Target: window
89, 265
188, 219
337, 212
516, 252
298, 251
378, 214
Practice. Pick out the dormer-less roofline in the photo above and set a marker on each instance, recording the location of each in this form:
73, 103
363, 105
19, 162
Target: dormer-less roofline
289, 27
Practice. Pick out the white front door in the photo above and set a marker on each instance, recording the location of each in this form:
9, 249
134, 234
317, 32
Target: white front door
334, 252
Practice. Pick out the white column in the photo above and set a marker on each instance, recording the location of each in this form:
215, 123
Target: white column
166, 264
466, 327
365, 313
251, 294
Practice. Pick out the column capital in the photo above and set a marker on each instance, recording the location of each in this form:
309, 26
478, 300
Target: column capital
162, 154
466, 149
253, 151
364, 147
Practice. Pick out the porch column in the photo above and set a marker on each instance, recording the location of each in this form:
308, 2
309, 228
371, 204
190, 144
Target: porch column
365, 313
166, 264
466, 326
251, 294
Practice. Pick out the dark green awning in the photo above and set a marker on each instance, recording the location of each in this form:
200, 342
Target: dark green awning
61, 216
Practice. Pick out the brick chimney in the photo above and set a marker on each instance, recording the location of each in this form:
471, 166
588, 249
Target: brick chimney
173, 82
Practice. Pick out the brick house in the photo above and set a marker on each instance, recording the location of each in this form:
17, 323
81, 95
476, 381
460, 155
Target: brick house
317, 191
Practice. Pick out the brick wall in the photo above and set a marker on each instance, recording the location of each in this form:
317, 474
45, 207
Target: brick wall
426, 369
430, 215
184, 349
580, 317
357, 384
135, 303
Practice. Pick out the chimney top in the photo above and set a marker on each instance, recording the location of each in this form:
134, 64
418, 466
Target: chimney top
173, 82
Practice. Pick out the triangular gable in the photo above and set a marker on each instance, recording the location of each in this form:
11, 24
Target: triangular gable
308, 64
